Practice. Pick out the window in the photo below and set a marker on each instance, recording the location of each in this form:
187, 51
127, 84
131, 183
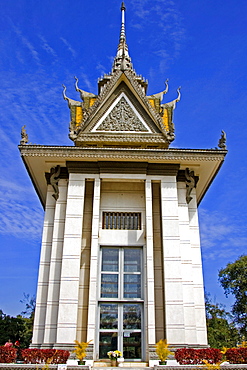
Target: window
121, 273
122, 220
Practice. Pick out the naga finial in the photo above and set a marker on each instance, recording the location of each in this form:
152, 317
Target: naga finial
64, 93
77, 88
222, 141
24, 136
172, 104
166, 89
83, 94
162, 93
179, 94
72, 102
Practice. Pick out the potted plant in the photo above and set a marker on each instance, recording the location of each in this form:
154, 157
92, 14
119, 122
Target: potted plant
113, 356
80, 351
162, 351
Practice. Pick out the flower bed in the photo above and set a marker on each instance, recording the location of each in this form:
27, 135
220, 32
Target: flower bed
7, 355
37, 356
237, 355
191, 356
34, 355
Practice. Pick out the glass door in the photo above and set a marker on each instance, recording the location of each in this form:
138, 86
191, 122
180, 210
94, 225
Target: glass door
120, 306
120, 328
132, 324
108, 329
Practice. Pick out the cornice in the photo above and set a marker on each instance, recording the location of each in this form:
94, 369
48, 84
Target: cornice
96, 153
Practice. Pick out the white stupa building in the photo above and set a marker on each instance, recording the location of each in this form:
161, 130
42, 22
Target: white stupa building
121, 260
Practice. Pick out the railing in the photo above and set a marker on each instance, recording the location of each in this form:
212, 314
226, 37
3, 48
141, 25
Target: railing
121, 221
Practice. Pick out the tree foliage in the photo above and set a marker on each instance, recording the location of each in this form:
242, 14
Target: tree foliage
14, 328
233, 279
18, 328
221, 331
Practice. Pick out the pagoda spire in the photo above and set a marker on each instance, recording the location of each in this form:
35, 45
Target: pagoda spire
122, 60
122, 39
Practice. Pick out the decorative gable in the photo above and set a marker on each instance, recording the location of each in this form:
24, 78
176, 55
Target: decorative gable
122, 117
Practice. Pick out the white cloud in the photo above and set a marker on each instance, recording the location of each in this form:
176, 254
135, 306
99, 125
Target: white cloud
34, 101
26, 43
69, 47
222, 236
168, 32
87, 82
17, 218
47, 47
101, 68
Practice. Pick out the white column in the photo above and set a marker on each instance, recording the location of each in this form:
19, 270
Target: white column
197, 272
70, 273
55, 266
186, 267
44, 265
173, 295
150, 264
91, 332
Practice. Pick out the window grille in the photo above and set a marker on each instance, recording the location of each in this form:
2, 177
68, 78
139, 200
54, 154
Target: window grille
121, 221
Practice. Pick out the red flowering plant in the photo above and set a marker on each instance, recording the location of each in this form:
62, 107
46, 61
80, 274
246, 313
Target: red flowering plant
37, 356
191, 356
237, 355
7, 354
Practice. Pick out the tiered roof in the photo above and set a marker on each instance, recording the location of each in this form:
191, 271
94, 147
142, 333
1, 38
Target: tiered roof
122, 114
121, 127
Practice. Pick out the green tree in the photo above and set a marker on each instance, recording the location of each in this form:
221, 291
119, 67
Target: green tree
18, 328
12, 328
221, 331
233, 279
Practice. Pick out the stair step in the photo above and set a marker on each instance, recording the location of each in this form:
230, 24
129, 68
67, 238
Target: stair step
126, 365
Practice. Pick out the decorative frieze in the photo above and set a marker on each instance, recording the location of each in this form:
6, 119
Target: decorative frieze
145, 139
122, 118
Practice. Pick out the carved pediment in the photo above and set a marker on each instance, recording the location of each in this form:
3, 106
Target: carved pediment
122, 117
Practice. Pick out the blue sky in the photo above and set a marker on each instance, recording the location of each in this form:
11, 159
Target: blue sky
200, 45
